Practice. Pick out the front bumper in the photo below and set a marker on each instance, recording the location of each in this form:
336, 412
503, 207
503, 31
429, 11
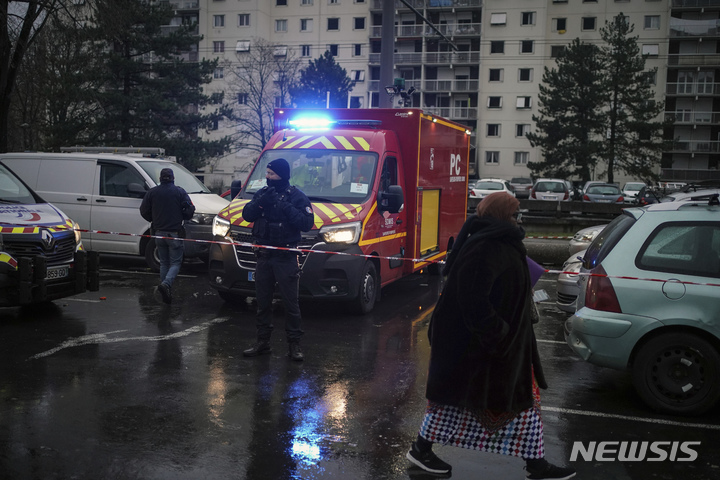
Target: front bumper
325, 276
197, 249
29, 283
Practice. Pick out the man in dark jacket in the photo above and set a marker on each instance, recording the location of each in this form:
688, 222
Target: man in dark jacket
166, 207
280, 213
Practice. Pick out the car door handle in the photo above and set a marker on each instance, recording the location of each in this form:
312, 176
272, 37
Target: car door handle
101, 200
81, 199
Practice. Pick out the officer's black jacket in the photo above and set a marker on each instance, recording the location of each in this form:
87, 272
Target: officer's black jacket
291, 215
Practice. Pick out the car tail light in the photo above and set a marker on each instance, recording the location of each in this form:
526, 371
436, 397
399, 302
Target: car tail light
567, 195
600, 294
586, 198
532, 193
621, 199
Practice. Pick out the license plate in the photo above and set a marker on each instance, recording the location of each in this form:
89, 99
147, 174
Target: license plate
604, 201
545, 197
251, 276
53, 273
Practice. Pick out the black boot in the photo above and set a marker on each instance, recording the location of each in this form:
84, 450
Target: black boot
295, 352
261, 347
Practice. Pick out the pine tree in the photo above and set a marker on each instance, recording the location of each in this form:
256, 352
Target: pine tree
634, 141
148, 95
321, 76
570, 123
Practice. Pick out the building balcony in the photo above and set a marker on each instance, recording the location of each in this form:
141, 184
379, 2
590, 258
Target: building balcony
691, 117
693, 60
170, 29
695, 3
692, 89
185, 6
453, 113
422, 30
374, 85
433, 4
680, 27
451, 85
689, 175
407, 58
452, 58
696, 146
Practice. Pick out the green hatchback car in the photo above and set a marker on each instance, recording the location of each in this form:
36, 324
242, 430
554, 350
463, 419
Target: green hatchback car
650, 302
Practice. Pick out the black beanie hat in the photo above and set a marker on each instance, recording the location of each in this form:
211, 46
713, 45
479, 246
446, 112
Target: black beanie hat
167, 175
280, 167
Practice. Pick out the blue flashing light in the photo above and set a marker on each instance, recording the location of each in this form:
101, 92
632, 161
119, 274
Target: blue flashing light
310, 123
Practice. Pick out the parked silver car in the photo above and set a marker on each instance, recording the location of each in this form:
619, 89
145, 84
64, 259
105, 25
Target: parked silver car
551, 189
567, 283
648, 302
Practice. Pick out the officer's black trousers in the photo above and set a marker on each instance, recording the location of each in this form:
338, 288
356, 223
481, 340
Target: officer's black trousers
282, 268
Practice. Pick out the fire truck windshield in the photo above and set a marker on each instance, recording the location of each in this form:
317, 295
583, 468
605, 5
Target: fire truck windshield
340, 176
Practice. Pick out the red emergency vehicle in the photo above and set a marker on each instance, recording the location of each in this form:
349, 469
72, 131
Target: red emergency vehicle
389, 192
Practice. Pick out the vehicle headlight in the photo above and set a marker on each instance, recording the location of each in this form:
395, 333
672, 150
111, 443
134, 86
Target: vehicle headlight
203, 218
78, 236
345, 233
220, 227
586, 237
572, 268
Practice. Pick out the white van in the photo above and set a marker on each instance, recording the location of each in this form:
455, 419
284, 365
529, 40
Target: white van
103, 192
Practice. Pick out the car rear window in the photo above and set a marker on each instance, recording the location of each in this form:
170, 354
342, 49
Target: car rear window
488, 186
690, 248
606, 240
526, 181
603, 190
550, 187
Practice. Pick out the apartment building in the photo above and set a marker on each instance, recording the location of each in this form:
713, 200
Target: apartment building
484, 67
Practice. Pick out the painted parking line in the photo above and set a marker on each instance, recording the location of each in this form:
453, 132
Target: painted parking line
630, 418
100, 338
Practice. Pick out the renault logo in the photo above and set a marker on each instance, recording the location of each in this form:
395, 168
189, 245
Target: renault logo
47, 239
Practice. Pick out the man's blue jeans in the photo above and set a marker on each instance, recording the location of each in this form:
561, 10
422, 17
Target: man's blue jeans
170, 251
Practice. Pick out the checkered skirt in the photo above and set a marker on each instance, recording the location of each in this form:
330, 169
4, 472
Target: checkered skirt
518, 435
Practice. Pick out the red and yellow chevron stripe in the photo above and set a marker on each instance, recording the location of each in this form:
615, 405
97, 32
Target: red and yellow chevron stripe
330, 142
5, 258
36, 229
325, 213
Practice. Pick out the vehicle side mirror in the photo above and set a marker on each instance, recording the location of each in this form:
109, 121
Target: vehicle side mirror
235, 188
391, 200
136, 190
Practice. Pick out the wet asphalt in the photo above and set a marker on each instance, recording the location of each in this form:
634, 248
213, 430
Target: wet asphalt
116, 385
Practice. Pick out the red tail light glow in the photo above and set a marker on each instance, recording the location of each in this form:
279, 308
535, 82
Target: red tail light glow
621, 199
600, 294
532, 194
567, 195
586, 198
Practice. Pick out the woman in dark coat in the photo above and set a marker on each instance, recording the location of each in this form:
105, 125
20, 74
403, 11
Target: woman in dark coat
485, 373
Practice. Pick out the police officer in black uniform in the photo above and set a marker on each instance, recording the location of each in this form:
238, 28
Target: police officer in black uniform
279, 212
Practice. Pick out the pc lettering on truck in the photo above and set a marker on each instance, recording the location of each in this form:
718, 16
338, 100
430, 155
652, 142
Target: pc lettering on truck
388, 189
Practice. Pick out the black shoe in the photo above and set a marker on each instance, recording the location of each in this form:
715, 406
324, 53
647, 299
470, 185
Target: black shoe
295, 352
165, 293
550, 472
259, 348
428, 461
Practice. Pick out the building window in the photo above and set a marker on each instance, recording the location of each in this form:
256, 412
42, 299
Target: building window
356, 102
357, 50
243, 19
555, 50
521, 129
333, 2
494, 102
219, 73
651, 49
652, 22
528, 18
560, 24
305, 50
218, 21
497, 46
357, 75
280, 51
588, 23
521, 158
524, 102
306, 2
333, 24
242, 46
333, 49
651, 77
306, 24
496, 75
526, 46
281, 3
281, 25
498, 18
218, 47
493, 129
492, 157
525, 74
242, 98
359, 23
